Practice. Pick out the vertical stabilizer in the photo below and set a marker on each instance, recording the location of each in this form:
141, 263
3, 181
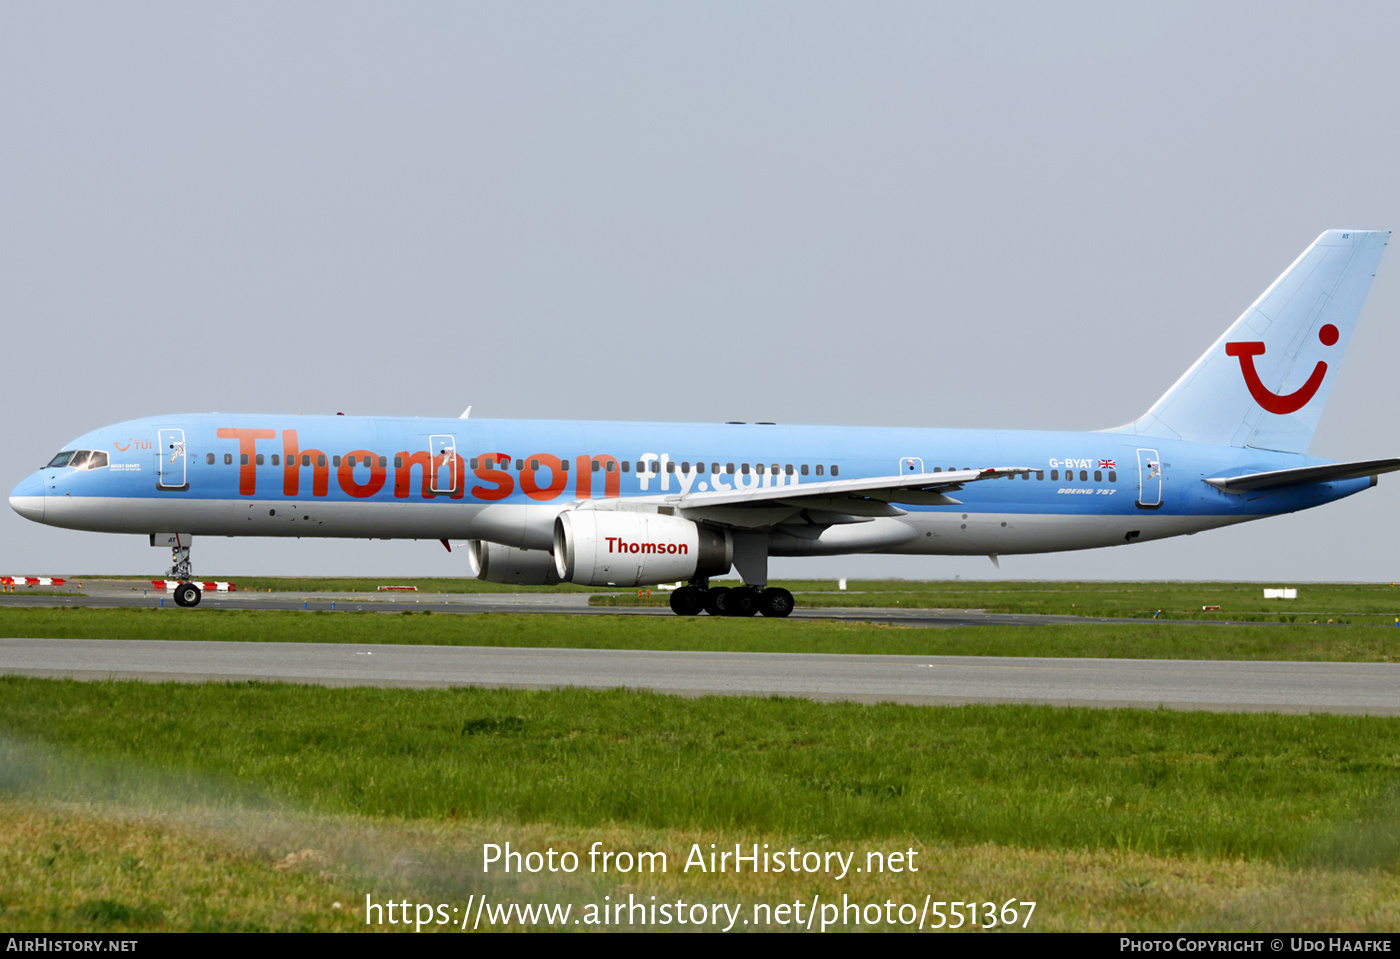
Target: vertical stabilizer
1265, 382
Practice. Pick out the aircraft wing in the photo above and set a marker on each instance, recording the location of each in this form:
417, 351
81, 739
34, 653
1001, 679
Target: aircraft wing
918, 489
1302, 476
827, 502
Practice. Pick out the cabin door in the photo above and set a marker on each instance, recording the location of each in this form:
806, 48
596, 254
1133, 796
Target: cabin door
1149, 480
443, 449
171, 472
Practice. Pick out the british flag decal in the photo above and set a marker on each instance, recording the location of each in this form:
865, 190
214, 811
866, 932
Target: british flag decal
1108, 464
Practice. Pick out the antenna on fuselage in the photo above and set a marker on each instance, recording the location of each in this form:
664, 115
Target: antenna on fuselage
465, 413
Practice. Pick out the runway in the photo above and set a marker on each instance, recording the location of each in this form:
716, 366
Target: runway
1370, 688
125, 593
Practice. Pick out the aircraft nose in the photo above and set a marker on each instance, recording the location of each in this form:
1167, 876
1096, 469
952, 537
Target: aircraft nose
27, 499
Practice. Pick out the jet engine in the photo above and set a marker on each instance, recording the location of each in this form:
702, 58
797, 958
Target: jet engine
632, 548
495, 563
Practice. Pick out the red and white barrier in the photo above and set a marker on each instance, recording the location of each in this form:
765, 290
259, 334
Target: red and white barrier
405, 589
31, 581
170, 584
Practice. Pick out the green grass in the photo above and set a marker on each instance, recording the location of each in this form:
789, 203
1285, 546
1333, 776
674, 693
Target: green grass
1107, 640
1307, 790
1376, 604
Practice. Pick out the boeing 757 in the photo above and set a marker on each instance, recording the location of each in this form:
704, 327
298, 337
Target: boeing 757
633, 504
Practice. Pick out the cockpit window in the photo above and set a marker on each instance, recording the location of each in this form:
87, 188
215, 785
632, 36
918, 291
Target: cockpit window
80, 459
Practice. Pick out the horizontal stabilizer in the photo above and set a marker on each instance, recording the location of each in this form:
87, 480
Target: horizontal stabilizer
1278, 479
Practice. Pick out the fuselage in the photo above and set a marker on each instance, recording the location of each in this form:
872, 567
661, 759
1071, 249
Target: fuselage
505, 481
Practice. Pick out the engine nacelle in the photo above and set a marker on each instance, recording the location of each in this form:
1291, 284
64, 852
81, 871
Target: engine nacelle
631, 548
505, 564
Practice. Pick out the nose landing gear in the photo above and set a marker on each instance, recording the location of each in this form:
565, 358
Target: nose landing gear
187, 594
181, 570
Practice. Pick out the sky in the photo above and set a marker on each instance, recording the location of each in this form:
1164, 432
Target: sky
1028, 216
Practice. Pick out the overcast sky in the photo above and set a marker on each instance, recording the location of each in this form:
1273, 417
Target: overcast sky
967, 215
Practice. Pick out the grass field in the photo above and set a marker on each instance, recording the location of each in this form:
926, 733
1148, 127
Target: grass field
1108, 640
1372, 603
1357, 602
243, 807
129, 805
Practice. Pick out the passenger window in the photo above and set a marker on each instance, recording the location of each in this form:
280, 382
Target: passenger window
472, 462
804, 469
1098, 476
383, 461
788, 469
398, 462
670, 467
835, 470
744, 468
209, 458
656, 466
1054, 474
260, 459
321, 460
276, 460
242, 459
1040, 474
563, 464
1025, 476
626, 465
729, 468
819, 469
1113, 476
938, 469
596, 466
228, 459
759, 468
1083, 476
335, 461
609, 466
641, 467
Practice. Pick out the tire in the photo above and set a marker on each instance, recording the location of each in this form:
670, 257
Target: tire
717, 601
687, 601
776, 602
187, 594
742, 602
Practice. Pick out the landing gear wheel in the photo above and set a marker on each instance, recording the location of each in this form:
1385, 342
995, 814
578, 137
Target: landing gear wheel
187, 594
741, 602
687, 601
775, 601
717, 601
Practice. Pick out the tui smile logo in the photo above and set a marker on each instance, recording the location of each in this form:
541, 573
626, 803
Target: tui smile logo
1271, 401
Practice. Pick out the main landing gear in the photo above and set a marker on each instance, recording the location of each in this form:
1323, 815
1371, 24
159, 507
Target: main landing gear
751, 560
732, 601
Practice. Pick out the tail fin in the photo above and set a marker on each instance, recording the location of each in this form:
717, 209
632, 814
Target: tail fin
1264, 383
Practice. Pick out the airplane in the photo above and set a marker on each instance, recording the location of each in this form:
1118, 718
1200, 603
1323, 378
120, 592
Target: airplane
638, 504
